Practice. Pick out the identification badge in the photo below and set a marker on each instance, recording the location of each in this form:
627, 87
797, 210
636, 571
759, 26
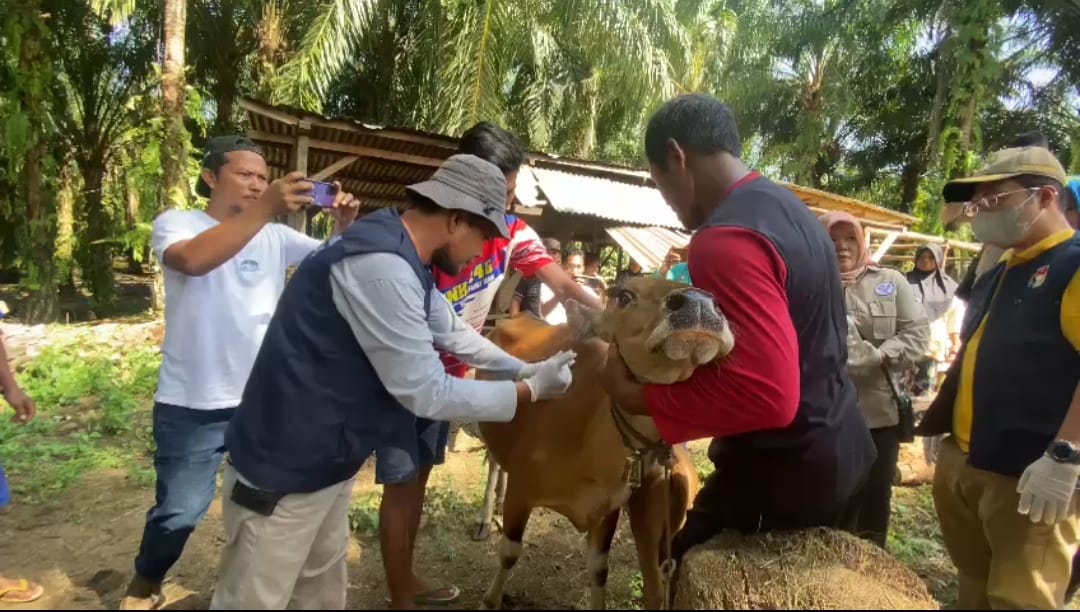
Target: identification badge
1039, 277
885, 289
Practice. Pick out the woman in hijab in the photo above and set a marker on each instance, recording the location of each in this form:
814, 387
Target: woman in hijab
936, 291
887, 331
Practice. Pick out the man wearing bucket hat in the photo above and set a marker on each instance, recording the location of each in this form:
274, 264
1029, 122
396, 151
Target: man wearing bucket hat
224, 268
349, 362
1010, 404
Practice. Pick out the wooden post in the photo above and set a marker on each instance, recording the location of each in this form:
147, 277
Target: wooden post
298, 220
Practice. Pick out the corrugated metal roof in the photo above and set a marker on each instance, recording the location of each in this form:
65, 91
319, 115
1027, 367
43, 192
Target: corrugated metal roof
648, 245
390, 158
606, 199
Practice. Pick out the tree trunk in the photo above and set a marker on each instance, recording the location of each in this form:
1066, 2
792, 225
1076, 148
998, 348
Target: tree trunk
40, 236
134, 254
95, 253
174, 188
909, 182
65, 236
943, 70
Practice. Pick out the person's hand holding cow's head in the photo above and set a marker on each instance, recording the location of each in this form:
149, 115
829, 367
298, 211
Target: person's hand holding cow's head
663, 329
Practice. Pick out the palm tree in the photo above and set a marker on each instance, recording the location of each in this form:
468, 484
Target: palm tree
559, 72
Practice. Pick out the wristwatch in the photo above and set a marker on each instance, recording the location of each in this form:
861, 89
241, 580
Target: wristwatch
1064, 451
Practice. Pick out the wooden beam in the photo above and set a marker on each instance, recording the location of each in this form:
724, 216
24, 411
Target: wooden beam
298, 220
883, 248
330, 170
348, 149
259, 109
817, 210
913, 240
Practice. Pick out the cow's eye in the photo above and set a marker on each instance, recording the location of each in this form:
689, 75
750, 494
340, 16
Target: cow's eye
624, 298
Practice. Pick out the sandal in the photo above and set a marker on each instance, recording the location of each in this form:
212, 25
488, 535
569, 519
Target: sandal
24, 592
437, 596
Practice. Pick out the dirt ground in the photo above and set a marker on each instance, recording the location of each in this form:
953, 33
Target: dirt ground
80, 546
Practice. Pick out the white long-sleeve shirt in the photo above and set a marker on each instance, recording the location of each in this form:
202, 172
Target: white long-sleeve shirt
382, 300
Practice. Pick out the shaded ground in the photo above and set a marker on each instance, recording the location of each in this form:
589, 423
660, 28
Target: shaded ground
80, 545
82, 483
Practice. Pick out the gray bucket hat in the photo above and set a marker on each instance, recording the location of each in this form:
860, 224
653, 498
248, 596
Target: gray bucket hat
466, 182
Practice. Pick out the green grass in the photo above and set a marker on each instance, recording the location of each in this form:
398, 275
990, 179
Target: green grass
915, 540
93, 413
445, 506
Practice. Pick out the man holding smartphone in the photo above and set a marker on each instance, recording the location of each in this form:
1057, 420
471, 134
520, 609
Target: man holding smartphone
349, 365
224, 270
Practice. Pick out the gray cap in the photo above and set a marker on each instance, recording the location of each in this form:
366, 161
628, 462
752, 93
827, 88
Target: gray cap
466, 182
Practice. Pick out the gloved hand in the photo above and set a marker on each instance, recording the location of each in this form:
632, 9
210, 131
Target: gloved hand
551, 377
530, 369
1046, 490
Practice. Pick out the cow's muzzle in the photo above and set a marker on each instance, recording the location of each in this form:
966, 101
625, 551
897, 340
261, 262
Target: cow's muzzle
692, 328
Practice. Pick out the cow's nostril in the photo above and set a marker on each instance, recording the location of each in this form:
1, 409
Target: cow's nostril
676, 302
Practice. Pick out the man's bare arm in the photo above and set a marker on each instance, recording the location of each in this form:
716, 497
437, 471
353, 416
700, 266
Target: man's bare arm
567, 288
215, 246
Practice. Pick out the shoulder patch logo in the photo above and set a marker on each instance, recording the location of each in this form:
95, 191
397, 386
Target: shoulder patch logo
249, 265
885, 289
1039, 277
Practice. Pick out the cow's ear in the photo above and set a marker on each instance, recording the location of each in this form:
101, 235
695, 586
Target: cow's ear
585, 322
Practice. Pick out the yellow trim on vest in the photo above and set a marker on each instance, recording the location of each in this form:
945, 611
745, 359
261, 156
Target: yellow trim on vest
963, 410
1070, 312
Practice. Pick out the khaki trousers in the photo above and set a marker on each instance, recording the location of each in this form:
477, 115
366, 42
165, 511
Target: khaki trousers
1005, 562
293, 559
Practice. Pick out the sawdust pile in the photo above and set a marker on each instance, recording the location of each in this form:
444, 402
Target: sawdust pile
816, 569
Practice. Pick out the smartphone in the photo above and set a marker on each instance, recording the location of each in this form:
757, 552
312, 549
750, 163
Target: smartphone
324, 193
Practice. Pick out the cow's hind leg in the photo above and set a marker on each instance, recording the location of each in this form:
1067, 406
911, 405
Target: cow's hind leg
515, 517
599, 546
496, 476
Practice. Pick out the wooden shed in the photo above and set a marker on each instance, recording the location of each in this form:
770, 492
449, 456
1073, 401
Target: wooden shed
568, 199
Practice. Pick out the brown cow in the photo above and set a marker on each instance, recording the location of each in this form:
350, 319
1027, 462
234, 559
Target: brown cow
571, 454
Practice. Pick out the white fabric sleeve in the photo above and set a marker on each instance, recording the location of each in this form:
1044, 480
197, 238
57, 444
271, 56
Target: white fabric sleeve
170, 227
297, 245
383, 302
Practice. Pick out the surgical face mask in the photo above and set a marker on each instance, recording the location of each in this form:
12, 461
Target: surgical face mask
1003, 228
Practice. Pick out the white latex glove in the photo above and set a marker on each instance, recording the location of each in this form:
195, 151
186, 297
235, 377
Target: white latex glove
531, 369
1046, 490
550, 378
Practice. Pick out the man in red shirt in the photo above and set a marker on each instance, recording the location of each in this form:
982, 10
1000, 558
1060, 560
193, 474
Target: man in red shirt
404, 466
789, 443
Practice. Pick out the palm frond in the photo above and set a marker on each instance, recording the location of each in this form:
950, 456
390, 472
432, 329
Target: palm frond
306, 78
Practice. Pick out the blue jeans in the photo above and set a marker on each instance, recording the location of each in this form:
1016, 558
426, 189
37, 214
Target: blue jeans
190, 449
5, 492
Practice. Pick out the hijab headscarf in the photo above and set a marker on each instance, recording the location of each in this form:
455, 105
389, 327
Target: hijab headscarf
935, 289
862, 258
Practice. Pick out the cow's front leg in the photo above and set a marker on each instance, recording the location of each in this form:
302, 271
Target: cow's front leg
500, 492
647, 518
600, 538
515, 517
495, 477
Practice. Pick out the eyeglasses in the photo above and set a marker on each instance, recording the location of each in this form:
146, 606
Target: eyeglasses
992, 202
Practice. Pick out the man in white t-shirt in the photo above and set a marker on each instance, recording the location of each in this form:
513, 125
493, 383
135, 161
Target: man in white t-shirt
224, 270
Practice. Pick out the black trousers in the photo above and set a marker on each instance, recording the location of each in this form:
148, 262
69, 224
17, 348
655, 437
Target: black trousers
756, 496
873, 505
